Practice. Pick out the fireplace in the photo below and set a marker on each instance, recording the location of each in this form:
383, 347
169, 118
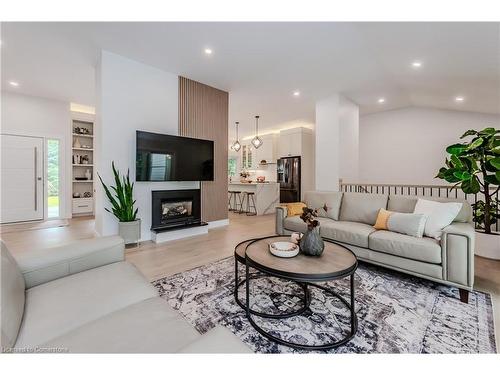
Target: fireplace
175, 208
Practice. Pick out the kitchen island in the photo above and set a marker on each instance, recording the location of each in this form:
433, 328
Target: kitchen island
266, 195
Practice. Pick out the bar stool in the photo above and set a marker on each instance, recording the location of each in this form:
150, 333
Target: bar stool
251, 209
243, 196
236, 196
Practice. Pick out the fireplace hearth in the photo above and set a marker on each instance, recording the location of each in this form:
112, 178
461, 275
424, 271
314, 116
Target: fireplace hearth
172, 209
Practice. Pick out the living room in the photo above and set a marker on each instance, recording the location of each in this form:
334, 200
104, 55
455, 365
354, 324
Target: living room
250, 187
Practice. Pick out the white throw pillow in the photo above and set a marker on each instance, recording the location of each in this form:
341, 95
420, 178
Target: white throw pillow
439, 215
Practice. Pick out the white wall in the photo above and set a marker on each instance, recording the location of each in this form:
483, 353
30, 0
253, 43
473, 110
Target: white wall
40, 117
348, 140
337, 142
407, 145
326, 133
132, 96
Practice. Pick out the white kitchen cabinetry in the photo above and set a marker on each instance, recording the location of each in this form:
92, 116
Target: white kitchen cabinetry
290, 142
267, 150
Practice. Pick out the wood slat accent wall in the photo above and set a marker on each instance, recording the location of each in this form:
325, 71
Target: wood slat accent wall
203, 113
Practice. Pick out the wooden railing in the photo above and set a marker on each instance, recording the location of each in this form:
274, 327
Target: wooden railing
438, 191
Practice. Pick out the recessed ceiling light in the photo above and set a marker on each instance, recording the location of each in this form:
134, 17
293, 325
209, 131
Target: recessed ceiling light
208, 51
13, 83
296, 93
459, 99
381, 100
416, 64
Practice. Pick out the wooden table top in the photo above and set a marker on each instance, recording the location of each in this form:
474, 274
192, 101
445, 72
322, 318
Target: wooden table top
335, 262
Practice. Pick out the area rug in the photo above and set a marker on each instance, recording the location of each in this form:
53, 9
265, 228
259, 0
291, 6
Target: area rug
396, 313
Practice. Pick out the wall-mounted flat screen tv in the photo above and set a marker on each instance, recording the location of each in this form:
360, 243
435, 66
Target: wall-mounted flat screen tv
161, 157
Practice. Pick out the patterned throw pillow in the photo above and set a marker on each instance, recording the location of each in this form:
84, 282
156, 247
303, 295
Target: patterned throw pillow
410, 224
295, 208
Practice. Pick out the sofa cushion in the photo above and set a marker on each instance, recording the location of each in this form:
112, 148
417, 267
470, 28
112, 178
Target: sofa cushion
12, 307
57, 307
149, 326
423, 249
362, 208
295, 224
319, 199
401, 203
349, 232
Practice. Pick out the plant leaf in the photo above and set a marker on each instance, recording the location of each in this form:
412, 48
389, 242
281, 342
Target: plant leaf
456, 149
468, 132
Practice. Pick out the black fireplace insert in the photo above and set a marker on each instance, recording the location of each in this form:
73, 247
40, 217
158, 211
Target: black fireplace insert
175, 208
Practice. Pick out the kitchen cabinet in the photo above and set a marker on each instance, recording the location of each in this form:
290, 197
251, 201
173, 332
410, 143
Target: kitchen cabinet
290, 143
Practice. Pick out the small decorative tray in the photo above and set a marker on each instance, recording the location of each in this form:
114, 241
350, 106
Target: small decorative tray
284, 249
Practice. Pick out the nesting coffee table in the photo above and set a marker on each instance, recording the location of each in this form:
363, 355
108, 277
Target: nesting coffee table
336, 262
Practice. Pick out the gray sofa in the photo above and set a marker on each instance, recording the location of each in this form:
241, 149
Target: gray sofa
350, 218
84, 297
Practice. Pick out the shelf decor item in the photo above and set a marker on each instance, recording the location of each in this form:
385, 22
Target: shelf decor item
122, 202
475, 166
257, 141
284, 249
311, 242
236, 145
77, 144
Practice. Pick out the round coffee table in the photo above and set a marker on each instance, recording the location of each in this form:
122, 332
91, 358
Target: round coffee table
336, 262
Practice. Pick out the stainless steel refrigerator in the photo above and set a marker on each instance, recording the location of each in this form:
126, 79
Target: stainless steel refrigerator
289, 179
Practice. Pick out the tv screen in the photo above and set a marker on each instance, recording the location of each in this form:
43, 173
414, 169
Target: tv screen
161, 157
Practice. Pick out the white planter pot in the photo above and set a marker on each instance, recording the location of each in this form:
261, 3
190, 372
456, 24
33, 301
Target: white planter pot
488, 245
130, 231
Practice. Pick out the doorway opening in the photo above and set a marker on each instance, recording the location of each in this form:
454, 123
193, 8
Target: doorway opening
53, 179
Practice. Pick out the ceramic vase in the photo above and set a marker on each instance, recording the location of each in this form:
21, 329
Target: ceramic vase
311, 243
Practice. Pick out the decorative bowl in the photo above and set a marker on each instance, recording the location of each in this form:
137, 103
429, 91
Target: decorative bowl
284, 249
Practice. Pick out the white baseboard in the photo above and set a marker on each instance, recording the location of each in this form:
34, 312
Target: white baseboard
178, 234
218, 223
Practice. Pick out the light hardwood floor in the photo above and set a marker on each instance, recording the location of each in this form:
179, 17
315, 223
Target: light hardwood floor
156, 261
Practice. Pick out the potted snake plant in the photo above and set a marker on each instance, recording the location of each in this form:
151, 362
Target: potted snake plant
122, 202
475, 166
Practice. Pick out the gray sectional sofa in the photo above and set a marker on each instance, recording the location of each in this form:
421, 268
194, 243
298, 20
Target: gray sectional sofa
349, 220
83, 297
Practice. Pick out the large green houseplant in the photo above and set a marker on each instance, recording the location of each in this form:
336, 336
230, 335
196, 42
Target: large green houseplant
122, 206
474, 165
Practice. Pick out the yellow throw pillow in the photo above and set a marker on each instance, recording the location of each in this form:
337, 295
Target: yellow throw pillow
382, 218
295, 208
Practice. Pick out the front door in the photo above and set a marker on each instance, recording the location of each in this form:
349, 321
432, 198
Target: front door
21, 178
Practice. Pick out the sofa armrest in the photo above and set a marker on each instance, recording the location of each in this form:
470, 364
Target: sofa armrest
281, 214
39, 266
457, 244
217, 340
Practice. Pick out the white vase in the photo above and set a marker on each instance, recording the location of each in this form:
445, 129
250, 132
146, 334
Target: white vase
77, 143
88, 174
130, 231
488, 245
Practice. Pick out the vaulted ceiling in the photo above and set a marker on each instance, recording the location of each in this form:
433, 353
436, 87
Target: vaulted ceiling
262, 64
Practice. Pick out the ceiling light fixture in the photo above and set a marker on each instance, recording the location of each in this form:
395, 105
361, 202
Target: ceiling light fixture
381, 100
208, 51
296, 93
14, 83
256, 141
416, 64
459, 99
236, 145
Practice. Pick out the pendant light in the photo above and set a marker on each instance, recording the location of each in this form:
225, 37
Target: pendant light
257, 142
236, 145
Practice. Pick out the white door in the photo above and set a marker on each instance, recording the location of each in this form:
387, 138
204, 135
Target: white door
22, 178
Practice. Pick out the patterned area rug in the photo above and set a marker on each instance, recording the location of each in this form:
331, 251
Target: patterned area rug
396, 313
